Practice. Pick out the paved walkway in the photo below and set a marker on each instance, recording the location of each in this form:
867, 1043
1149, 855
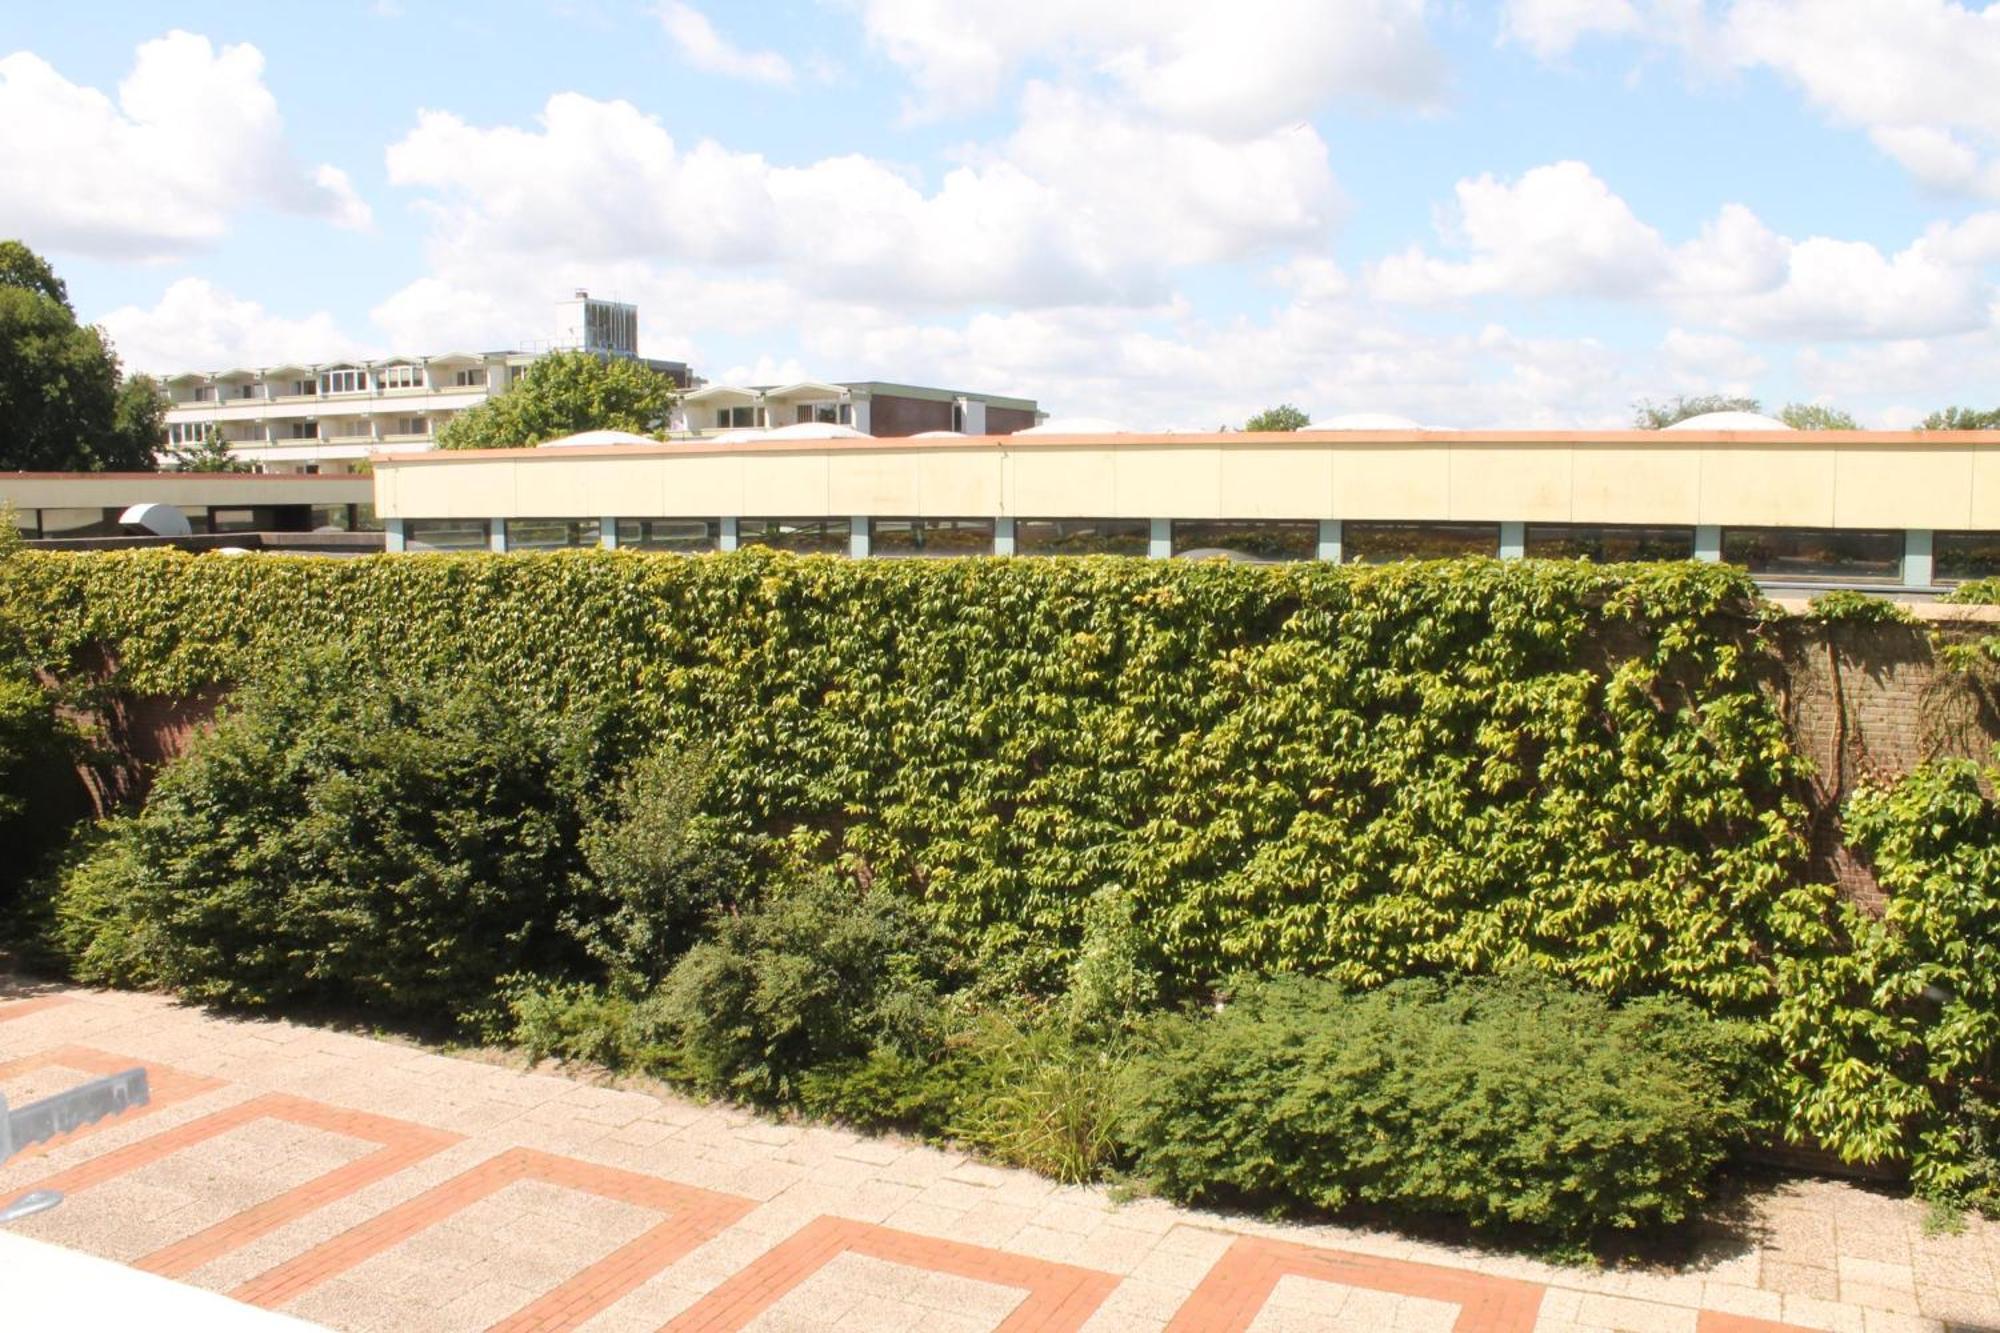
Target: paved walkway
365, 1184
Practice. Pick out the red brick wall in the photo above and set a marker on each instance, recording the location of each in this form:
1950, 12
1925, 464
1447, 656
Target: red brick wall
890, 415
1007, 420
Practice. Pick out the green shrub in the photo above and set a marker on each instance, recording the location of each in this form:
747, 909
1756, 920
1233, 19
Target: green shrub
1979, 592
815, 972
1847, 605
1500, 1102
655, 869
342, 837
36, 748
1891, 1025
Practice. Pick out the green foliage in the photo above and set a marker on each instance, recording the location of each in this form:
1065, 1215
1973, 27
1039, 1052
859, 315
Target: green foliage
345, 838
1359, 771
62, 407
1044, 1098
1113, 981
1892, 1024
1962, 418
562, 393
211, 454
818, 971
1282, 417
1848, 606
1816, 416
654, 870
1649, 415
1976, 592
35, 745
1500, 1102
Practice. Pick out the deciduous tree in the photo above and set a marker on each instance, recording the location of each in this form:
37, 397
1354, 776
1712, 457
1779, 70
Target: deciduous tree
561, 394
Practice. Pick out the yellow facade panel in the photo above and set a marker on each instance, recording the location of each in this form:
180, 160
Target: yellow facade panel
959, 483
865, 482
1903, 486
1060, 483
1985, 505
1494, 483
1635, 484
1166, 481
704, 486
1275, 481
784, 485
1391, 482
1767, 486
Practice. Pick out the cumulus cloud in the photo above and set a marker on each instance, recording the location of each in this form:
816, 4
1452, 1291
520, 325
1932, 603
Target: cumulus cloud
706, 49
1238, 69
1083, 202
193, 137
196, 325
1549, 28
1559, 230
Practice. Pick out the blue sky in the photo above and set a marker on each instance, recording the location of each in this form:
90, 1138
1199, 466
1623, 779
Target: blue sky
1525, 212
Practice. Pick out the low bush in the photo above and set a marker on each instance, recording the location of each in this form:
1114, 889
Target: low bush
818, 971
35, 749
1044, 1096
1891, 1024
343, 838
1508, 1102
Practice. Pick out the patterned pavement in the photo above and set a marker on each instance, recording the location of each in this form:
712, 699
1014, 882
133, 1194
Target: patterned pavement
366, 1184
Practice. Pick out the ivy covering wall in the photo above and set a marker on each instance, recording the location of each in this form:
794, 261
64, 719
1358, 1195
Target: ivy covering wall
1362, 773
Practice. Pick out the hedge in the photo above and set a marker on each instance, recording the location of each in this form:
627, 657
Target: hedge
1361, 772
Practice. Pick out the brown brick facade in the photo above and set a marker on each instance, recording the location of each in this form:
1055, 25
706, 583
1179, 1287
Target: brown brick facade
890, 415
1007, 420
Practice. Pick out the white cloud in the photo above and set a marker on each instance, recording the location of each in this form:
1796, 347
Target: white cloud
1560, 231
1549, 28
1711, 363
706, 49
193, 138
196, 325
1083, 203
1237, 69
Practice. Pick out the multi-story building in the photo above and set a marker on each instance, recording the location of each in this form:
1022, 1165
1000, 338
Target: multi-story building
330, 416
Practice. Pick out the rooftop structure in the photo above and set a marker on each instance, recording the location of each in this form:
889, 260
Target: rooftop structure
869, 407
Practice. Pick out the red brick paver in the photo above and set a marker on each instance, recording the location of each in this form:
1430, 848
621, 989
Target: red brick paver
1244, 1278
32, 1005
402, 1144
165, 1085
1060, 1297
694, 1216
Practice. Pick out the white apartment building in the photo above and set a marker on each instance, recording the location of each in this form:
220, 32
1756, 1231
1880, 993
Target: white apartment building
327, 417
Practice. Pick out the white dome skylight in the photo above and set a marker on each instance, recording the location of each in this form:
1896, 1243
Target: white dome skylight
1729, 421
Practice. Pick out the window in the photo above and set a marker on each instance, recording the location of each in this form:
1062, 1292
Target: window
301, 430
830, 413
446, 534
187, 432
1251, 541
344, 381
670, 534
241, 520
1608, 544
28, 522
409, 426
1965, 555
930, 536
400, 377
739, 418
1818, 555
1082, 536
470, 379
1385, 543
203, 393
958, 417
243, 391
304, 388
826, 536
550, 534
81, 522
333, 518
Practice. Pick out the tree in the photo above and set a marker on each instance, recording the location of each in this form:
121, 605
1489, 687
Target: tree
1649, 415
561, 394
1282, 417
1814, 416
64, 406
210, 454
1962, 418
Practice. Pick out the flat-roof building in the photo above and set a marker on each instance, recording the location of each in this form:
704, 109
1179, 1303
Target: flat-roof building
1895, 509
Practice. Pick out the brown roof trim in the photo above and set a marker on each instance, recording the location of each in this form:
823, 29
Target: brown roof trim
1804, 439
